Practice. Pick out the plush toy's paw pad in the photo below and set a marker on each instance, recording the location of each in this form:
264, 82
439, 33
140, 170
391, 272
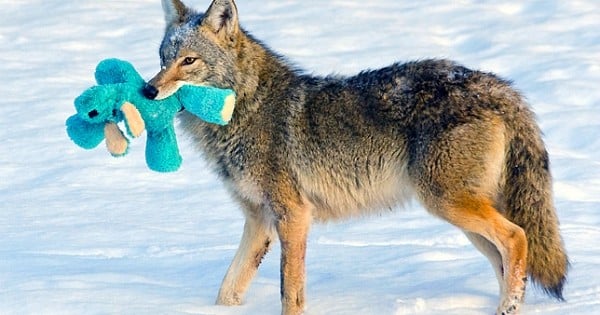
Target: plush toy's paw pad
116, 143
210, 104
228, 107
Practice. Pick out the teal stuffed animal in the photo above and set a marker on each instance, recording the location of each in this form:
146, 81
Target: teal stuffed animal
118, 98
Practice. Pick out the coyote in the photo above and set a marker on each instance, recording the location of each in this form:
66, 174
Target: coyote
303, 148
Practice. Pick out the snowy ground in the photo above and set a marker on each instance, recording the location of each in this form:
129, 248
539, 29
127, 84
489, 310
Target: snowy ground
83, 233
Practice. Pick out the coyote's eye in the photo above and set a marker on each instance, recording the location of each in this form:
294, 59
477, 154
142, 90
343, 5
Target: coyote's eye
188, 61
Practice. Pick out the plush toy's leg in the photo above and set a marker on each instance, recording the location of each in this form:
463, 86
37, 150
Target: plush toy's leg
116, 143
210, 104
162, 153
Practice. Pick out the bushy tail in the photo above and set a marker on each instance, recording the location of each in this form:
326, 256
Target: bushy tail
528, 197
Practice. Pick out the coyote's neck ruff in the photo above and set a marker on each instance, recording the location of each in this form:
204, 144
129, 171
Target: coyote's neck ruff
462, 142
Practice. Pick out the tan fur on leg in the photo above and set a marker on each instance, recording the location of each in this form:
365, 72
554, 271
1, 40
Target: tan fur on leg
292, 224
476, 215
491, 252
256, 241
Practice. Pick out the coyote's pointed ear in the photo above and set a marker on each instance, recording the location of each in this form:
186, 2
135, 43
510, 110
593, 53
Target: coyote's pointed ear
222, 17
174, 10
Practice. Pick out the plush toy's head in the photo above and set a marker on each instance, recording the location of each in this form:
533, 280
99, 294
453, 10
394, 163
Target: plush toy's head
101, 107
118, 97
100, 104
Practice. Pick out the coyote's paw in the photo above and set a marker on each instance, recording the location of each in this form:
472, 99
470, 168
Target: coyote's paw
509, 306
232, 299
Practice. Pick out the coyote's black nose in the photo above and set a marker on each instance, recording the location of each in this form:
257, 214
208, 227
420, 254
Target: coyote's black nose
150, 91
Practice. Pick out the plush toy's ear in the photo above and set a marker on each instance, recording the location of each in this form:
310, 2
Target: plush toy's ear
133, 119
116, 143
85, 134
110, 71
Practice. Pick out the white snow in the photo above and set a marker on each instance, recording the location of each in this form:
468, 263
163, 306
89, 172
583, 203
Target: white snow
84, 233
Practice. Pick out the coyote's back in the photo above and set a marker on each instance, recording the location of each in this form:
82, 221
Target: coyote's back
300, 147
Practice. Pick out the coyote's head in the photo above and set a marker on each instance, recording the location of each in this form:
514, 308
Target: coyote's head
197, 49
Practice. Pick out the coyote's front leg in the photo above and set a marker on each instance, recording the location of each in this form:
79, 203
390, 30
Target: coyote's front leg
292, 224
256, 241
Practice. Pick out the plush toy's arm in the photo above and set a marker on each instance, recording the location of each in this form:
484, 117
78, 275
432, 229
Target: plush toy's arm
110, 71
210, 104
